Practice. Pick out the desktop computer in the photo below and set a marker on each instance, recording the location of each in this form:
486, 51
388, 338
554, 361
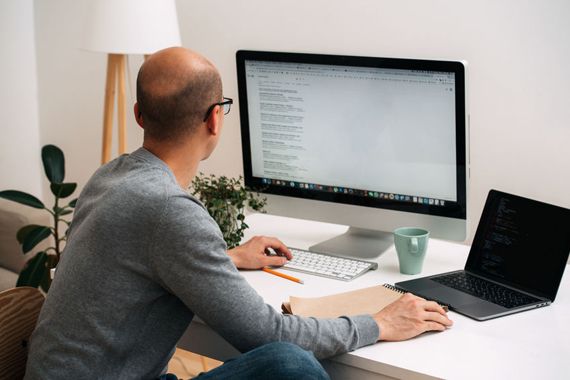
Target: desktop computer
371, 143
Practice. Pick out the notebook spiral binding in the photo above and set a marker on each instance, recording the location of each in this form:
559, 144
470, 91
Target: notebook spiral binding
392, 287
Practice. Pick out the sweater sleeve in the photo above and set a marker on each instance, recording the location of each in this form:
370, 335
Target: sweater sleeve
189, 258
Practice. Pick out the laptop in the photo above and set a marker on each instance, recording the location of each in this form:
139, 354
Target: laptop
516, 261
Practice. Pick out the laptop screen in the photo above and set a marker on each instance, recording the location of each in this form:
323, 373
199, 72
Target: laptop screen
521, 242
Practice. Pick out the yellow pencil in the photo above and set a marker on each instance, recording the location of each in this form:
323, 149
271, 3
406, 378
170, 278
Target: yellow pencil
291, 278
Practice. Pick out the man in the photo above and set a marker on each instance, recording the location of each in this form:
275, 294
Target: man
143, 257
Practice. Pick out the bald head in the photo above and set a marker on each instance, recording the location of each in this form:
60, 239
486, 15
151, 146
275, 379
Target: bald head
175, 87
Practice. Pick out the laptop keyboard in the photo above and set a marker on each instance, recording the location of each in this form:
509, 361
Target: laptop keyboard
486, 290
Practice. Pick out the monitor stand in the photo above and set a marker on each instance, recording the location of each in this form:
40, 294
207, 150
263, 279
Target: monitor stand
357, 243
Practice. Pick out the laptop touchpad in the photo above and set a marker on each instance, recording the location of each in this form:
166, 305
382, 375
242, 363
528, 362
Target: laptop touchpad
449, 296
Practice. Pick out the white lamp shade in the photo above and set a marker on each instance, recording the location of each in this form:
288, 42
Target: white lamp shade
131, 26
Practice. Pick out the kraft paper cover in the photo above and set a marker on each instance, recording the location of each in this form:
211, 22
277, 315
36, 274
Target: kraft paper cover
362, 301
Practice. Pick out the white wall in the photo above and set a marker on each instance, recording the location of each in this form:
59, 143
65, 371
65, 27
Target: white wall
517, 51
518, 54
20, 157
71, 87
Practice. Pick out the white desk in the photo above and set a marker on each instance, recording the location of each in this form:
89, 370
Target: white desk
529, 345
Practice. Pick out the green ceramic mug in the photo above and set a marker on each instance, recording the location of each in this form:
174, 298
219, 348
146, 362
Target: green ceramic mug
411, 245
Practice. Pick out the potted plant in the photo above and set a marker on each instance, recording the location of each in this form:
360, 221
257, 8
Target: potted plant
36, 272
226, 199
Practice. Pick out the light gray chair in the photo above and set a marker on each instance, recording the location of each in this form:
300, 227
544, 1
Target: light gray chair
14, 216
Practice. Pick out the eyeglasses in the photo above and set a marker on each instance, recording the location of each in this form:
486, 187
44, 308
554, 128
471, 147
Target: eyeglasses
226, 106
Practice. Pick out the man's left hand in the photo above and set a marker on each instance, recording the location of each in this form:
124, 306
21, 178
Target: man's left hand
255, 254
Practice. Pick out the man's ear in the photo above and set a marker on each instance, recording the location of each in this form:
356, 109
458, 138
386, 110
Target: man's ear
138, 115
213, 121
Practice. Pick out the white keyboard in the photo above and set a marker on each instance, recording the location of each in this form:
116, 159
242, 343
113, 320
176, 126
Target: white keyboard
324, 265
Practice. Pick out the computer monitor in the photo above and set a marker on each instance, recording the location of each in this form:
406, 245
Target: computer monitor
371, 143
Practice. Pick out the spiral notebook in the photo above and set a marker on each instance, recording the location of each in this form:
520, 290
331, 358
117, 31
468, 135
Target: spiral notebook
357, 302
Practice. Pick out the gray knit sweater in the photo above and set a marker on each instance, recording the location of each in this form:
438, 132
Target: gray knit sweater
143, 257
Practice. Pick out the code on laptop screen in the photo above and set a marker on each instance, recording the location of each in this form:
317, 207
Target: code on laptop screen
522, 242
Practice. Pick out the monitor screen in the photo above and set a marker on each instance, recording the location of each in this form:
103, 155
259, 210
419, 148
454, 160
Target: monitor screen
376, 132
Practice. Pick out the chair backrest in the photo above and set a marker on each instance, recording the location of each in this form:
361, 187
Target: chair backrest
19, 311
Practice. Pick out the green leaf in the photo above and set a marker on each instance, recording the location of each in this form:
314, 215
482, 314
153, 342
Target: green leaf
23, 232
34, 270
65, 212
62, 190
34, 236
51, 262
73, 203
54, 163
45, 282
21, 197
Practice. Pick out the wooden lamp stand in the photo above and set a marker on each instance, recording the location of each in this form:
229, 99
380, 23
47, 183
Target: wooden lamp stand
116, 67
118, 28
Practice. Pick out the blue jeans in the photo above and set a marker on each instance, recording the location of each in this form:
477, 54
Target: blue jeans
274, 361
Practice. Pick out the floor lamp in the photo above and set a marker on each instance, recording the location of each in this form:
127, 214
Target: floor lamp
119, 28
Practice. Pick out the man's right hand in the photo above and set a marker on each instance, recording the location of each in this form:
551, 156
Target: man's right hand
410, 316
